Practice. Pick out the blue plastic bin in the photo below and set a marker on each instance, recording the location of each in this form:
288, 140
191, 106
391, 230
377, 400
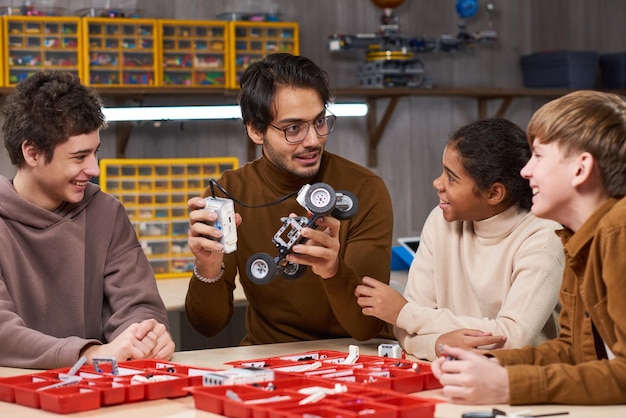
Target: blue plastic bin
401, 259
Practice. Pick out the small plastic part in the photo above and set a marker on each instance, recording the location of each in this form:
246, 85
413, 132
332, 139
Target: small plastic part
97, 360
81, 361
353, 354
390, 350
225, 222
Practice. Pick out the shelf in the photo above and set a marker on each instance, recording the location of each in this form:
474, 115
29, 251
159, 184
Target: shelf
483, 97
375, 127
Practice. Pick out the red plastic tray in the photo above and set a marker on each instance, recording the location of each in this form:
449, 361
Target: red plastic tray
69, 399
404, 376
212, 398
28, 393
235, 401
112, 393
377, 386
100, 387
8, 384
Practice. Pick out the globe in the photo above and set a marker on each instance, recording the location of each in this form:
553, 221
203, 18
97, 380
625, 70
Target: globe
388, 4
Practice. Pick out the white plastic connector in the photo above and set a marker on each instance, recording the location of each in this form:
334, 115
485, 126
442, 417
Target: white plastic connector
225, 210
390, 350
353, 355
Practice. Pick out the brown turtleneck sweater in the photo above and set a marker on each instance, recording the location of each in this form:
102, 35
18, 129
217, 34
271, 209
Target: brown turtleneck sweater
307, 308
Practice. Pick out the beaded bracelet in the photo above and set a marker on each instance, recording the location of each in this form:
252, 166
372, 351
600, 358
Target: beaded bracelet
208, 279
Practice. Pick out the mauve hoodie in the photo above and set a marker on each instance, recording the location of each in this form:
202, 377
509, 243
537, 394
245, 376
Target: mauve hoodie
68, 278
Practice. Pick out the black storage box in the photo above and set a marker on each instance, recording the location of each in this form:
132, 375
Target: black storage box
613, 67
560, 69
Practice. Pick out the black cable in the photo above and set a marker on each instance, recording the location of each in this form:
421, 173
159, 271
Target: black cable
213, 183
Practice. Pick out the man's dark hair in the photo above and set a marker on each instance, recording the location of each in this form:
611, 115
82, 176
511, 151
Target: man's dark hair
47, 109
262, 79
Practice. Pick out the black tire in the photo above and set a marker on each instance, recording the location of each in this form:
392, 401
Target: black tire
293, 271
320, 199
261, 268
347, 207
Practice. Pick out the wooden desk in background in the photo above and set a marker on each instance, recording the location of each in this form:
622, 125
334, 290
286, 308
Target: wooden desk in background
173, 292
215, 358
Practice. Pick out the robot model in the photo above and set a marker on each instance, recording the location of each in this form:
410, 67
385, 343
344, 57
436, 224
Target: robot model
390, 57
319, 199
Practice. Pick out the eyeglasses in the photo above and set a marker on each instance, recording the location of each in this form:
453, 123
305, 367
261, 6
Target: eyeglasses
297, 131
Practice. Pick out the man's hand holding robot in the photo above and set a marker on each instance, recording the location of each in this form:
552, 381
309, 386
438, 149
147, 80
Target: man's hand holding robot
301, 241
319, 247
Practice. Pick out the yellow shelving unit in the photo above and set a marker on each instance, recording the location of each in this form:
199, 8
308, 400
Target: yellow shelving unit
252, 41
32, 44
193, 53
120, 52
155, 194
138, 52
3, 53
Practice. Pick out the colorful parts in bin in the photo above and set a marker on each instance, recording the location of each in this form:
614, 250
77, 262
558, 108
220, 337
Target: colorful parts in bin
59, 392
302, 383
199, 78
288, 399
402, 376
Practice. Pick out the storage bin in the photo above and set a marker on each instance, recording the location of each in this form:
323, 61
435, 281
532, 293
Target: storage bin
110, 9
613, 69
253, 41
401, 259
120, 52
35, 43
31, 8
193, 53
560, 69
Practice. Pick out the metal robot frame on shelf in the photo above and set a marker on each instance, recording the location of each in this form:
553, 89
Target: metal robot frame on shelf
390, 57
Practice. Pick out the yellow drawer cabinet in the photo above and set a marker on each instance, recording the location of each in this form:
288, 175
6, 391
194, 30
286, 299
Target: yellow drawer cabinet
2, 52
32, 44
120, 52
155, 193
193, 53
252, 41
139, 52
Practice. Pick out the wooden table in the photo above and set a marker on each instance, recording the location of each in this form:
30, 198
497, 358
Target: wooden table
215, 358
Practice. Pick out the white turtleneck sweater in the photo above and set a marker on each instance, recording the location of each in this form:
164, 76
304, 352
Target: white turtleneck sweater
500, 275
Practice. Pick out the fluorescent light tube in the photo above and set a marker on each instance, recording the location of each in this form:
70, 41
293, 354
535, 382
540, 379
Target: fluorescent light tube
128, 114
348, 109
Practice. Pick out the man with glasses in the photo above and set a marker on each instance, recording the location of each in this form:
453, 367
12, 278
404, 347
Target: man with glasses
281, 98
